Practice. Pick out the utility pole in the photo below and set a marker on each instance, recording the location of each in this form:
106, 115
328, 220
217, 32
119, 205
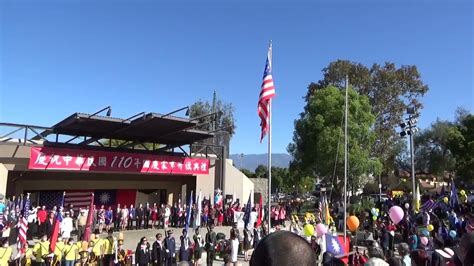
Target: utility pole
213, 124
409, 128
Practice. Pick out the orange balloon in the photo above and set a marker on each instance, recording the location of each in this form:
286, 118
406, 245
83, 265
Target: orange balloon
352, 223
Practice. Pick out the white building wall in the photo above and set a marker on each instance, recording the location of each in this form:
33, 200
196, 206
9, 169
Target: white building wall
236, 181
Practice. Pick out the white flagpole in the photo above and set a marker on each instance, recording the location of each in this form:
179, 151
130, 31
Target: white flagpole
345, 159
270, 145
269, 162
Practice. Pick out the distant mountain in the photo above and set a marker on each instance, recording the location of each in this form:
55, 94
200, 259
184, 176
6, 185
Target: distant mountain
251, 161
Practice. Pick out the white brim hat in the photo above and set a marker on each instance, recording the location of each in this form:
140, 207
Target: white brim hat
446, 253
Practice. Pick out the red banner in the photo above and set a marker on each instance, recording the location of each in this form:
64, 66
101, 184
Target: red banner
46, 158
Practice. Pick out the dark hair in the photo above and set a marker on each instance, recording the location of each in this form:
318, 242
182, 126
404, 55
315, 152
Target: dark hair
394, 261
467, 245
158, 235
283, 248
419, 256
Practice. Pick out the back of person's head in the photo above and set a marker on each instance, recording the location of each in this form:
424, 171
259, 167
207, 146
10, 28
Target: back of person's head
403, 249
394, 261
327, 259
419, 256
465, 252
376, 252
283, 248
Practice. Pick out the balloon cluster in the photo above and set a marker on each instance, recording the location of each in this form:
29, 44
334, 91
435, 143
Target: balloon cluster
309, 230
375, 213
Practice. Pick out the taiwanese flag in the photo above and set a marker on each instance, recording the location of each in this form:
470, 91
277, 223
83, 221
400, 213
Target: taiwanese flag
105, 197
335, 245
57, 222
126, 196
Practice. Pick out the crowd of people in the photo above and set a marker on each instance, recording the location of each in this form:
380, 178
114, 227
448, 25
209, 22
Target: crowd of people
439, 232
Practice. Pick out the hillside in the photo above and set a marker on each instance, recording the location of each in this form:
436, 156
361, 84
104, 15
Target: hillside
251, 161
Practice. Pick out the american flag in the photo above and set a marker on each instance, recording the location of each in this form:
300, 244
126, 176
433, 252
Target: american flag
266, 94
80, 199
24, 224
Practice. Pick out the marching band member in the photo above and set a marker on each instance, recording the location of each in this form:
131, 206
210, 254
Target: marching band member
121, 257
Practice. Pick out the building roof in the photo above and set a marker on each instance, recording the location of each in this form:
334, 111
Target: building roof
147, 128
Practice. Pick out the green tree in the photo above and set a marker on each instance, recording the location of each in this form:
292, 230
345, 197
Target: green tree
261, 171
319, 134
306, 184
461, 144
281, 179
221, 123
247, 173
432, 154
390, 90
224, 118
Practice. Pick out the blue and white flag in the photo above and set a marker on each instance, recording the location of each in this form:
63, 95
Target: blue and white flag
248, 210
188, 211
335, 245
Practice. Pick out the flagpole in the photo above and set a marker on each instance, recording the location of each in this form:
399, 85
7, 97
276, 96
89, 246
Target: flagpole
269, 162
345, 159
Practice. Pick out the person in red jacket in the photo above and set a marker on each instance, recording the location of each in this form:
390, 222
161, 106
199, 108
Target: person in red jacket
42, 215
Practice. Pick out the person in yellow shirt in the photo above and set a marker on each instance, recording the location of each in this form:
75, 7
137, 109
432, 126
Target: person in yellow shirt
5, 253
109, 248
71, 252
96, 244
41, 250
24, 259
59, 249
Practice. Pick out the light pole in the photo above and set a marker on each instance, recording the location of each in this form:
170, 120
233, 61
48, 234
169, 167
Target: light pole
409, 128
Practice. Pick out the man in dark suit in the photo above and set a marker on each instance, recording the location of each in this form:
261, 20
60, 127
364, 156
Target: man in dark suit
139, 213
170, 249
146, 215
211, 241
158, 251
117, 217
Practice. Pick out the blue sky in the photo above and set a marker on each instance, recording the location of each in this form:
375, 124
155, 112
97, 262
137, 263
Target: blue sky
59, 57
